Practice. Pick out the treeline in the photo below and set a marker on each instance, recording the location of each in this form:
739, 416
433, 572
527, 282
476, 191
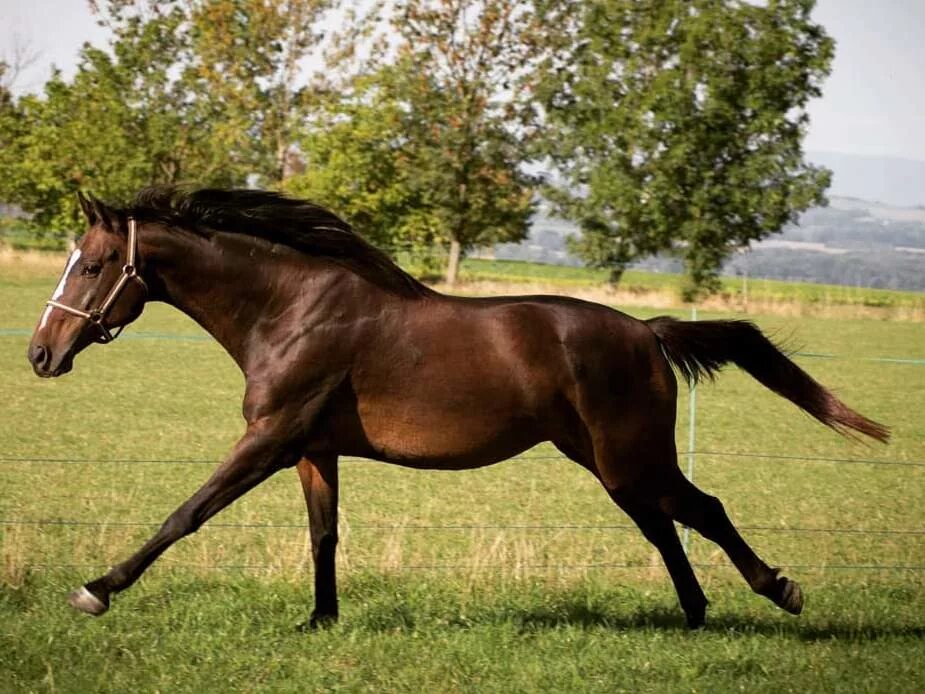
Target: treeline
668, 125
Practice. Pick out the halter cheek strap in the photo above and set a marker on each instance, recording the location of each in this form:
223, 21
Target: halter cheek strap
129, 272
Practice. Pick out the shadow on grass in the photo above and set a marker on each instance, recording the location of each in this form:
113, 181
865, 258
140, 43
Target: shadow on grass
669, 620
379, 605
662, 619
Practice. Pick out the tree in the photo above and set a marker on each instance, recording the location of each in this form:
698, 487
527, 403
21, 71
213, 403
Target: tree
235, 76
199, 91
357, 161
114, 128
438, 108
246, 69
677, 125
15, 61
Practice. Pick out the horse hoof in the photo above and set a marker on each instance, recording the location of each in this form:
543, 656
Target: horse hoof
317, 622
85, 601
791, 598
696, 620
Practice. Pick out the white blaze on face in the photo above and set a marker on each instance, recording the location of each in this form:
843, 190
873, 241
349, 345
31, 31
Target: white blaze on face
59, 290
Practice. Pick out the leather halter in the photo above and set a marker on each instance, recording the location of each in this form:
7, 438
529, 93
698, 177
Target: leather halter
129, 272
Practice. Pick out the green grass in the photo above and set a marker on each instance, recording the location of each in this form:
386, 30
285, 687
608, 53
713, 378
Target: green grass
224, 633
503, 606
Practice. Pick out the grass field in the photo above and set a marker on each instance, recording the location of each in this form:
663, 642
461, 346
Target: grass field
518, 577
734, 290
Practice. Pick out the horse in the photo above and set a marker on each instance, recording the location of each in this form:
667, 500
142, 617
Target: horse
346, 354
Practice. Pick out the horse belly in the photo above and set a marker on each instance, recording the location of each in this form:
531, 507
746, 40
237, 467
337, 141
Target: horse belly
458, 388
466, 429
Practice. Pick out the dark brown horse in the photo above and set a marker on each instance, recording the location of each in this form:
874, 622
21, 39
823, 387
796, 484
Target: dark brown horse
345, 354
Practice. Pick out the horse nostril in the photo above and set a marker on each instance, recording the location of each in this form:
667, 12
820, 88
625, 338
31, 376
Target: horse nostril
40, 356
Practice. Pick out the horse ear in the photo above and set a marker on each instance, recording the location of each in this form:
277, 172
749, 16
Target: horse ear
103, 214
87, 208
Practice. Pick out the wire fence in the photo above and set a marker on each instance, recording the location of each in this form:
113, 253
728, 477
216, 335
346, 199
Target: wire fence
908, 535
464, 527
14, 460
913, 535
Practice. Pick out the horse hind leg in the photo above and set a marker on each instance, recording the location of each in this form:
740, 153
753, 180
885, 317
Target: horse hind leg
687, 504
659, 529
656, 526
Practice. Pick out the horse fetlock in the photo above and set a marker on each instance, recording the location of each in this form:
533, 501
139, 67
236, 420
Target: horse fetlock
87, 602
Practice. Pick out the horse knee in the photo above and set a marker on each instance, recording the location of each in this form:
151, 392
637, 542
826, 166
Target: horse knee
713, 510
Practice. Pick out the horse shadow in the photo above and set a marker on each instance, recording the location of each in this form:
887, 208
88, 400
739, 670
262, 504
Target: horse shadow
663, 619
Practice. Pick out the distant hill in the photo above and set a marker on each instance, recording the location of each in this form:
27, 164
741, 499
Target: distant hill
852, 242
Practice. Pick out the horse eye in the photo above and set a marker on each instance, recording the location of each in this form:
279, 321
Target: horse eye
91, 270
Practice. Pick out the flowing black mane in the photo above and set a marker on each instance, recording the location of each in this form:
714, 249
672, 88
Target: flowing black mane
300, 224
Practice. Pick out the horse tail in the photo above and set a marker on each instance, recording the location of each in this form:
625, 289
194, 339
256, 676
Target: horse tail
700, 349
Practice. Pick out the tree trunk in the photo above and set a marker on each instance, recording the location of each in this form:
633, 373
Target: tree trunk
452, 266
616, 274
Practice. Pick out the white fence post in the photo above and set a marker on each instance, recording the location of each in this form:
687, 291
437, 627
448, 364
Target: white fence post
691, 438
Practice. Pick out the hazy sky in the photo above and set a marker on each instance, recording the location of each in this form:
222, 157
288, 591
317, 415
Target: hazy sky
873, 104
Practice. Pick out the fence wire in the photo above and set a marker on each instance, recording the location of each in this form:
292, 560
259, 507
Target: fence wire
301, 567
13, 460
462, 527
517, 568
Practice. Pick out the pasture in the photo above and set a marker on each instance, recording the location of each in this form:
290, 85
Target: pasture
489, 580
644, 288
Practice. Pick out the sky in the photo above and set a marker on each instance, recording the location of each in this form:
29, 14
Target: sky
873, 102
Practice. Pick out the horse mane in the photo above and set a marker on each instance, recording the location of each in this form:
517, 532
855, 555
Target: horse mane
299, 224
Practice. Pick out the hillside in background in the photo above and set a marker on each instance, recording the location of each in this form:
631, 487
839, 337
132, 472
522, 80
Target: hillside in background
872, 234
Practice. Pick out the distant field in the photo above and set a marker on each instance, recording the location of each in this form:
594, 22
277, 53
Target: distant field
637, 288
518, 577
735, 291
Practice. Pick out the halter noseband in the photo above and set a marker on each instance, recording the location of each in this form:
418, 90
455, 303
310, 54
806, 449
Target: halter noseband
129, 272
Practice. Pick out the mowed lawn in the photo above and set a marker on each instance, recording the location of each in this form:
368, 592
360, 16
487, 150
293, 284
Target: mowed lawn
518, 577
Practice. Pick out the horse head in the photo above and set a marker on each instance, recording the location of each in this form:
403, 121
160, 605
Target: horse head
99, 290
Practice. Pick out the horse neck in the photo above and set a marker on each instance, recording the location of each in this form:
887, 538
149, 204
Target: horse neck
233, 286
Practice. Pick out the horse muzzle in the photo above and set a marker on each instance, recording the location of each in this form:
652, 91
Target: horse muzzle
47, 364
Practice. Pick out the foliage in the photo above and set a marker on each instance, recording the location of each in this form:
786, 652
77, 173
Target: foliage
426, 131
198, 90
678, 125
357, 162
245, 69
675, 125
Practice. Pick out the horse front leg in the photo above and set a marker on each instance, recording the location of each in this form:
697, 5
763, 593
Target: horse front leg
261, 452
318, 475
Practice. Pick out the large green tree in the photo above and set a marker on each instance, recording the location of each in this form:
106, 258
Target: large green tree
10, 130
358, 160
427, 133
120, 123
676, 125
245, 69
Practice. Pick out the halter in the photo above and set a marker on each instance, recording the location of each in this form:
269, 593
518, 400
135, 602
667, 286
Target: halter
129, 272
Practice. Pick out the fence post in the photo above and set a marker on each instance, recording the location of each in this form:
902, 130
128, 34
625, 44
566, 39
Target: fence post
691, 438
